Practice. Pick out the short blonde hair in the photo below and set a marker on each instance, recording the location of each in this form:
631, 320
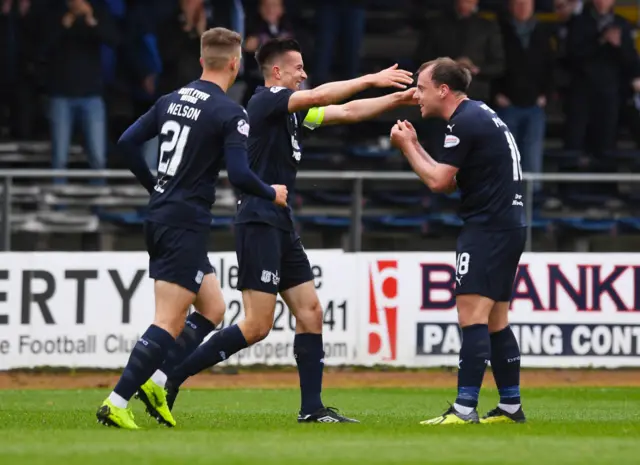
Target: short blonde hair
218, 46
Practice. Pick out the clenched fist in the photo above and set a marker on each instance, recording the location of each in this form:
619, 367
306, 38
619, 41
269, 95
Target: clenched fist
281, 195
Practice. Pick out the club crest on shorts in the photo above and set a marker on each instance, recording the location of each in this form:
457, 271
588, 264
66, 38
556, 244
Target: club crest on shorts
269, 277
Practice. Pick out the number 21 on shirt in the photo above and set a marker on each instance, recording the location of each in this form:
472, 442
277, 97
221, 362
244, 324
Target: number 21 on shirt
171, 150
513, 146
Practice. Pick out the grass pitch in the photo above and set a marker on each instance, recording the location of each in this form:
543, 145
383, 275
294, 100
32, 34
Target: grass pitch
255, 426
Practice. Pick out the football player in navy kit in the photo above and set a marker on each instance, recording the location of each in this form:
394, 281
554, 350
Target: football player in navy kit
270, 254
200, 128
481, 158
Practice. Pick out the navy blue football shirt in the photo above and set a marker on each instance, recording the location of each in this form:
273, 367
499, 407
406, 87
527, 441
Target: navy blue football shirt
275, 151
489, 176
198, 126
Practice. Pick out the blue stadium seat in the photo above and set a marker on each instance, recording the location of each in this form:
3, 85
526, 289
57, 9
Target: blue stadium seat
368, 151
122, 218
541, 223
403, 221
328, 197
629, 225
589, 199
588, 224
325, 221
316, 155
222, 222
446, 219
405, 198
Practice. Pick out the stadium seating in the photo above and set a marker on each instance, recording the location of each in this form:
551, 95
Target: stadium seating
404, 209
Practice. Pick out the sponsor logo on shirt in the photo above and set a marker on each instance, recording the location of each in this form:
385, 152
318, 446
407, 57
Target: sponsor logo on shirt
451, 141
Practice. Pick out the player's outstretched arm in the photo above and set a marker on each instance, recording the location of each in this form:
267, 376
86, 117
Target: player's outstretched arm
335, 92
138, 133
357, 110
438, 177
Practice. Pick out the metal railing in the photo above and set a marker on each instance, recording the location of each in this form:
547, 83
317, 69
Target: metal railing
357, 179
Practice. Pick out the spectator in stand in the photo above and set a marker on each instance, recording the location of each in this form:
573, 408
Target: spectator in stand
602, 56
338, 19
179, 45
18, 36
523, 90
270, 22
566, 11
461, 34
76, 34
466, 37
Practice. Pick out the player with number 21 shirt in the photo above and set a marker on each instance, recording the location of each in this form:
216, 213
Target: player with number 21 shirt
481, 158
200, 128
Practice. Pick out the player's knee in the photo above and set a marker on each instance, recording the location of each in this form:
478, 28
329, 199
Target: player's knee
171, 323
256, 329
212, 311
172, 303
473, 309
499, 317
309, 317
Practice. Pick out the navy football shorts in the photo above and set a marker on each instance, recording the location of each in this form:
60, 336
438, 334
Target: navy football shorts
177, 255
270, 259
487, 262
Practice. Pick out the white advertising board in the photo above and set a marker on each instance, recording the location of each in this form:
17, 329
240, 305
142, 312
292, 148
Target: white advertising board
89, 309
568, 310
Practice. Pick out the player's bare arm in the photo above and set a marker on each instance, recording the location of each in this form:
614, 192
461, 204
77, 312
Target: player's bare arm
439, 177
359, 110
334, 92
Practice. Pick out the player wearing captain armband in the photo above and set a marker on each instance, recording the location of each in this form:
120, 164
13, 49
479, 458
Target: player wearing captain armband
271, 258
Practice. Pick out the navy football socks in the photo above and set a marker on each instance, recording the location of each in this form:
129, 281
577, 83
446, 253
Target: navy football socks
474, 355
196, 328
505, 363
147, 355
309, 353
218, 348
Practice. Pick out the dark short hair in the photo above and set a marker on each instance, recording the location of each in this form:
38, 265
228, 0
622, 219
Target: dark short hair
273, 49
449, 72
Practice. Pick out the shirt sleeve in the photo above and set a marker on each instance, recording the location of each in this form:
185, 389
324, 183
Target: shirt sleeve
458, 141
144, 129
314, 118
276, 101
236, 128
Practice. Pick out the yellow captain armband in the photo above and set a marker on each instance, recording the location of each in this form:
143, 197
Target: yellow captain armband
314, 118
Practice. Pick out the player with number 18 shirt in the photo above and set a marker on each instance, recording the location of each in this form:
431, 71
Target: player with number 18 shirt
481, 158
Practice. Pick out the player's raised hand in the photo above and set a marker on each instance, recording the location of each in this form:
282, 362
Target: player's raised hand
410, 132
281, 195
407, 97
392, 77
403, 134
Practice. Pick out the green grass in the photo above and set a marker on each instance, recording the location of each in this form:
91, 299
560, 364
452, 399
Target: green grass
566, 426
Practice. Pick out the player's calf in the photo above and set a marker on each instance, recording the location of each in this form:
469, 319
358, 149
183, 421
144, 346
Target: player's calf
210, 308
308, 349
505, 363
151, 349
259, 310
473, 315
